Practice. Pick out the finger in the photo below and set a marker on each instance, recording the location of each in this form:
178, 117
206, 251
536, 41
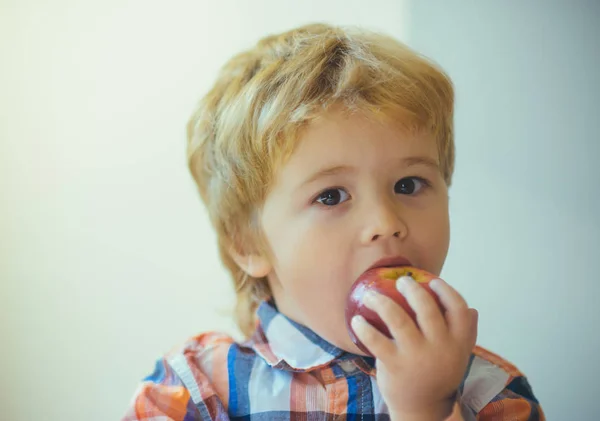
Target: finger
472, 336
380, 345
458, 314
401, 326
429, 316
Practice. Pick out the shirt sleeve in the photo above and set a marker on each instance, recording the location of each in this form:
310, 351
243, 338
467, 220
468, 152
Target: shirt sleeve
162, 396
181, 387
515, 403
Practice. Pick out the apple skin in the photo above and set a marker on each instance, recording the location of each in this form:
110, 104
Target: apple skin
383, 280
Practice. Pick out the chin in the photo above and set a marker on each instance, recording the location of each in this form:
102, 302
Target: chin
346, 344
353, 349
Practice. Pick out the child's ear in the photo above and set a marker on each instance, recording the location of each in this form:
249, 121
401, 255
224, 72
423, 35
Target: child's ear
254, 265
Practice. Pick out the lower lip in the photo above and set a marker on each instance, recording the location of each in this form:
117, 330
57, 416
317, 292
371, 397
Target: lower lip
385, 267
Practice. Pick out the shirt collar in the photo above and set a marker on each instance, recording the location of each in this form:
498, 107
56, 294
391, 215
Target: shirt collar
285, 344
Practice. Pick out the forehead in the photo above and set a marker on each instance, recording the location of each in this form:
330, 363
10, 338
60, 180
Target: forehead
340, 138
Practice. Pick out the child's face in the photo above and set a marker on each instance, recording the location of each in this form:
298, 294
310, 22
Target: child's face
354, 191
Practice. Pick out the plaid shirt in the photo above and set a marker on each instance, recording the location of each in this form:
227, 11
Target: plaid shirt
285, 371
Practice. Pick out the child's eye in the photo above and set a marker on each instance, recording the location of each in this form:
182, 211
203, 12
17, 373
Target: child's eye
332, 197
410, 185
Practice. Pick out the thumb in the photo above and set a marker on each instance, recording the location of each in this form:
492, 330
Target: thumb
474, 325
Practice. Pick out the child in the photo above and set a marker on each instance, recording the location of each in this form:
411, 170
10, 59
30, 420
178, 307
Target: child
321, 153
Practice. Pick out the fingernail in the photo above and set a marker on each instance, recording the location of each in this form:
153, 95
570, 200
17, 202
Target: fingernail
403, 282
357, 322
370, 299
436, 283
475, 317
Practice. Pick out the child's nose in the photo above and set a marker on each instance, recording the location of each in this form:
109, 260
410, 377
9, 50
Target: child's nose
383, 221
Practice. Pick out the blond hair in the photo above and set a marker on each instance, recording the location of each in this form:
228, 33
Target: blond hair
249, 122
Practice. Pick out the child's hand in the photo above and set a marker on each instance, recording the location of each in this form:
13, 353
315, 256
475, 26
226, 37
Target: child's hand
420, 370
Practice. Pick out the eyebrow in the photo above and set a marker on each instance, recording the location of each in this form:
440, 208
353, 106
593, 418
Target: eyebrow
421, 160
327, 172
340, 169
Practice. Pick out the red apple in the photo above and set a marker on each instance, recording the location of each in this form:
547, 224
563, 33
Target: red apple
383, 280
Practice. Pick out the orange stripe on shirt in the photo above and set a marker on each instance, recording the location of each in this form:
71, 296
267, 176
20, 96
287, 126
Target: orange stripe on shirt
220, 372
505, 410
298, 396
338, 391
160, 400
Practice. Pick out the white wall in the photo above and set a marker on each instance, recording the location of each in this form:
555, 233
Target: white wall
107, 259
526, 200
